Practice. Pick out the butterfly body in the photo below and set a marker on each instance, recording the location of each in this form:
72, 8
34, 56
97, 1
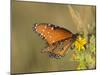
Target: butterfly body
58, 39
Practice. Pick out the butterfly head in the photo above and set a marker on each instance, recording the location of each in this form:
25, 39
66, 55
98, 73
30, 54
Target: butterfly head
74, 36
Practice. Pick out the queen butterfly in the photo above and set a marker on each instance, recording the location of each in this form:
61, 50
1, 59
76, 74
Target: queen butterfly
58, 39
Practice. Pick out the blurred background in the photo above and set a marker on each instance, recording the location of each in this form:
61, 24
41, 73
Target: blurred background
26, 44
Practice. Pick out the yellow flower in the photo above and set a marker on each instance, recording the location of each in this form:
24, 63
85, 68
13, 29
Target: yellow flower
79, 43
81, 66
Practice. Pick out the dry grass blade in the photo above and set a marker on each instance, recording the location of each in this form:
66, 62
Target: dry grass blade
77, 19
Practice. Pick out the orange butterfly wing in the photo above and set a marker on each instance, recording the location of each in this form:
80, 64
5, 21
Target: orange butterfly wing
51, 33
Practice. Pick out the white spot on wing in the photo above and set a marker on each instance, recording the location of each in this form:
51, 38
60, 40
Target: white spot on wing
45, 27
44, 35
49, 24
36, 25
52, 28
41, 34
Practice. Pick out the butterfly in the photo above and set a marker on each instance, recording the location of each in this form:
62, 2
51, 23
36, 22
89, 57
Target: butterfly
58, 38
